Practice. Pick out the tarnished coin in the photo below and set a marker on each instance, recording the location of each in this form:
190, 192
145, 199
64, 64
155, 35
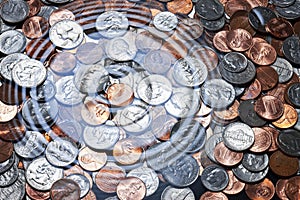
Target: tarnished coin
247, 176
65, 189
255, 162
209, 10
264, 190
61, 152
165, 21
43, 92
16, 190
83, 183
283, 165
154, 89
214, 178
184, 102
290, 48
259, 17
293, 94
66, 34
217, 93
289, 142
9, 62
213, 25
177, 193
101, 137
29, 73
14, 11
12, 41
238, 136
279, 27
67, 93
190, 71
40, 174
111, 24
32, 145
292, 190
126, 191
7, 112
148, 176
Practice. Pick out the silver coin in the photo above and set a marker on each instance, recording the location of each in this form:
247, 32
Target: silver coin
134, 118
16, 191
297, 125
29, 73
66, 34
217, 93
247, 176
255, 162
61, 152
210, 145
234, 62
112, 24
154, 89
284, 69
122, 48
165, 21
82, 181
238, 136
67, 93
31, 146
190, 71
91, 78
177, 193
9, 177
8, 63
148, 176
43, 92
101, 137
12, 41
6, 165
215, 178
184, 102
40, 174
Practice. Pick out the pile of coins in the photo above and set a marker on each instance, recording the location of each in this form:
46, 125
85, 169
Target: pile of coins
154, 99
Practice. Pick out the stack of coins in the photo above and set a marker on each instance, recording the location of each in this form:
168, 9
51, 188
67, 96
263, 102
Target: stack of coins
155, 99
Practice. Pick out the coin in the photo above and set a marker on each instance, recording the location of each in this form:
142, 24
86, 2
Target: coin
36, 194
267, 76
269, 107
18, 188
248, 114
247, 176
225, 156
35, 27
59, 15
239, 40
12, 41
13, 130
62, 63
292, 188
6, 150
288, 119
14, 11
120, 94
127, 151
280, 189
262, 53
219, 41
178, 193
62, 187
82, 182
288, 142
255, 162
292, 93
94, 112
283, 165
165, 21
234, 185
209, 10
214, 178
9, 62
125, 191
89, 53
264, 190
262, 140
7, 112
213, 195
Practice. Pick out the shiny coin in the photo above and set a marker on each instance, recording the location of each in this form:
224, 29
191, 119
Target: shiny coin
262, 140
82, 182
211, 143
120, 94
284, 69
62, 187
91, 160
225, 156
43, 92
178, 193
18, 188
59, 15
126, 191
9, 62
66, 34
288, 119
264, 190
234, 62
62, 63
259, 17
154, 89
165, 21
239, 40
269, 107
247, 176
61, 152
214, 178
127, 151
14, 11
234, 186
255, 162
238, 136
292, 190
36, 194
9, 177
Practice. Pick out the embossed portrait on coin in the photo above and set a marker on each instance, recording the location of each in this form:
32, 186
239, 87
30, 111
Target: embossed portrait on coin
120, 47
30, 144
216, 177
67, 32
43, 174
62, 151
10, 42
69, 91
181, 168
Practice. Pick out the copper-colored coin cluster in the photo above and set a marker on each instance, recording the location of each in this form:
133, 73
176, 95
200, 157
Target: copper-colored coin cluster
124, 99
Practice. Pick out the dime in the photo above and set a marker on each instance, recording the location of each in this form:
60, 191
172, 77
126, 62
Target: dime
9, 62
238, 136
255, 162
247, 176
214, 178
14, 11
209, 10
259, 17
234, 62
178, 193
12, 41
284, 69
126, 191
44, 92
65, 189
264, 190
165, 21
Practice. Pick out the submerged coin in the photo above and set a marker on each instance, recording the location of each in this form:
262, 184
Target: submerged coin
179, 193
82, 181
65, 189
165, 21
126, 191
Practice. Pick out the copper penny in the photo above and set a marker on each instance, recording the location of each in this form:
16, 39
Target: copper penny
176, 47
267, 76
213, 195
59, 15
94, 112
13, 130
6, 150
269, 107
262, 140
127, 151
180, 6
297, 28
226, 156
109, 177
7, 112
233, 6
256, 3
280, 28
288, 119
230, 113
234, 185
90, 196
274, 135
75, 169
280, 189
65, 189
62, 63
207, 55
34, 7
264, 190
40, 49
283, 165
262, 53
278, 91
239, 39
219, 41
11, 94
35, 27
131, 188
162, 125
292, 188
240, 19
91, 160
120, 94
252, 91
203, 111
277, 44
36, 194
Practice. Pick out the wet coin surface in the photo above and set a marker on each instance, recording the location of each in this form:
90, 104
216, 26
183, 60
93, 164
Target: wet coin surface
125, 191
65, 188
